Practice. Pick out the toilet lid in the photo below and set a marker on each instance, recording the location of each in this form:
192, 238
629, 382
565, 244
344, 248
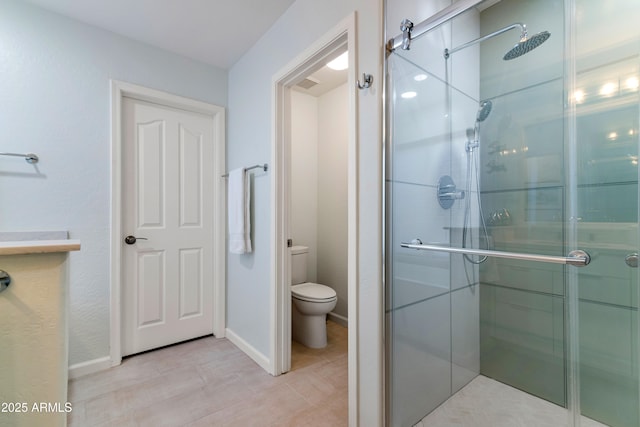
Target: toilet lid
312, 292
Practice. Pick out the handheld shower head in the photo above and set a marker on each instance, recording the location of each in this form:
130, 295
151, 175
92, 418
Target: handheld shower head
526, 44
473, 135
484, 110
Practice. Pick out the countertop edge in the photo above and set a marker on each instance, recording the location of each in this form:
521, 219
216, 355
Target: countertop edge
38, 246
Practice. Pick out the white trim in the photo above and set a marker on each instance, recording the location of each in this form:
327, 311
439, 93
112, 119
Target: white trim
119, 90
353, 229
89, 367
342, 34
248, 349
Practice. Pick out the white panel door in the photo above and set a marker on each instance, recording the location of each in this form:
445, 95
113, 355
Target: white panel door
167, 269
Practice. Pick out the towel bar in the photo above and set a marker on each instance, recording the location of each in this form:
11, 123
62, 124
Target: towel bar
264, 167
29, 157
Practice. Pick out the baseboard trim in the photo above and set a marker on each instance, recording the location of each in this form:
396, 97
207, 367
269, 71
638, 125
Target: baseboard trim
89, 367
249, 350
340, 320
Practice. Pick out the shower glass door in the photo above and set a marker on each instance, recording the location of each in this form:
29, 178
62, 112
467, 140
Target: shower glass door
496, 171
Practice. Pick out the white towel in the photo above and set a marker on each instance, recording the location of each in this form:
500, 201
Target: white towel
239, 202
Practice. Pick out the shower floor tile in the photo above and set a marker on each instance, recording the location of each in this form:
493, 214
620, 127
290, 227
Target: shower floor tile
488, 403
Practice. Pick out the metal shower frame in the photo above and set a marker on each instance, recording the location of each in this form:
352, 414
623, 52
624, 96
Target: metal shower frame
411, 31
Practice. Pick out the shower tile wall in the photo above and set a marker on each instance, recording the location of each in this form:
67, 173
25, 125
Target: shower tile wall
522, 303
522, 314
607, 126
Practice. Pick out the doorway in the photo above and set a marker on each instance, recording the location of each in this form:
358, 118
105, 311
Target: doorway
319, 148
314, 58
165, 234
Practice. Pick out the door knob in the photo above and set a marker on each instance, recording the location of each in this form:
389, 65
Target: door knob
130, 240
632, 260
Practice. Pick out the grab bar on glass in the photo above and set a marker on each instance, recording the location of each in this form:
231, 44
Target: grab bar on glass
577, 258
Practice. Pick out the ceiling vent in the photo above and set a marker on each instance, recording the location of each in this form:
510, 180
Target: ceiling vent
308, 83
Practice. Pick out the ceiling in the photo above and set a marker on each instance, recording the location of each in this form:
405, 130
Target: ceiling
324, 79
216, 32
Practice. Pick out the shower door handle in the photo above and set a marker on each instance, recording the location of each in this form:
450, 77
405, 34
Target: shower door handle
577, 258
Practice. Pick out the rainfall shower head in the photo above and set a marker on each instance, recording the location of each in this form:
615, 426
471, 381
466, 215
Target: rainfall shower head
484, 111
526, 43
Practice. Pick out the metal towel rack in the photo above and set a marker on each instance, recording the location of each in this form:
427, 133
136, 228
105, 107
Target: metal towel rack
264, 167
29, 157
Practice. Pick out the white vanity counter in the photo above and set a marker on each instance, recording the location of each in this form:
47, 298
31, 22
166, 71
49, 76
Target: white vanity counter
36, 242
38, 247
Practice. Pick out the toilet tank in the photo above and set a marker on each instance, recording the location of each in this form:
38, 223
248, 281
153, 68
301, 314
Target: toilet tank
299, 264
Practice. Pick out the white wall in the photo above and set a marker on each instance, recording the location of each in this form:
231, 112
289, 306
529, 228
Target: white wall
249, 135
55, 102
304, 176
333, 138
319, 141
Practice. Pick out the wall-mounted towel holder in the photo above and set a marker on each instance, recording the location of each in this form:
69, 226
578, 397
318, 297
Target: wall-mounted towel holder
264, 167
29, 157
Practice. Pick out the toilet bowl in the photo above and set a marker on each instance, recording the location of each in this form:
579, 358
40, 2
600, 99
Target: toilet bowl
310, 303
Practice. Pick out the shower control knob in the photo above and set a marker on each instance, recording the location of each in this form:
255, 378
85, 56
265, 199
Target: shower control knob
130, 240
632, 260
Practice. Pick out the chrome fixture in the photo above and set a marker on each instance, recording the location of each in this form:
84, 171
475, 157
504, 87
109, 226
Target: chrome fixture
481, 116
5, 280
473, 142
29, 157
526, 43
500, 217
429, 24
446, 192
484, 111
631, 260
367, 81
406, 27
130, 240
578, 258
264, 167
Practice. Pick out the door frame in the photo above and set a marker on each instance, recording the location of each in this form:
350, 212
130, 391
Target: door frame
120, 90
343, 34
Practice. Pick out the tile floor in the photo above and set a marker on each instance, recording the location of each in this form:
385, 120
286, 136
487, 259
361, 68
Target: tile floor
488, 403
209, 382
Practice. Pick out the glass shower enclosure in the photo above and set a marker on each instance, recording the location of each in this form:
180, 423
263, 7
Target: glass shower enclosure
512, 212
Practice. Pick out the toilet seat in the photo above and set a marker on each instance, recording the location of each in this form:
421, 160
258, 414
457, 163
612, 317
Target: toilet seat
313, 292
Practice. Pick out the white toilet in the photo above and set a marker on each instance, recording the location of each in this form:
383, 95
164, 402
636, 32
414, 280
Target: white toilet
310, 303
